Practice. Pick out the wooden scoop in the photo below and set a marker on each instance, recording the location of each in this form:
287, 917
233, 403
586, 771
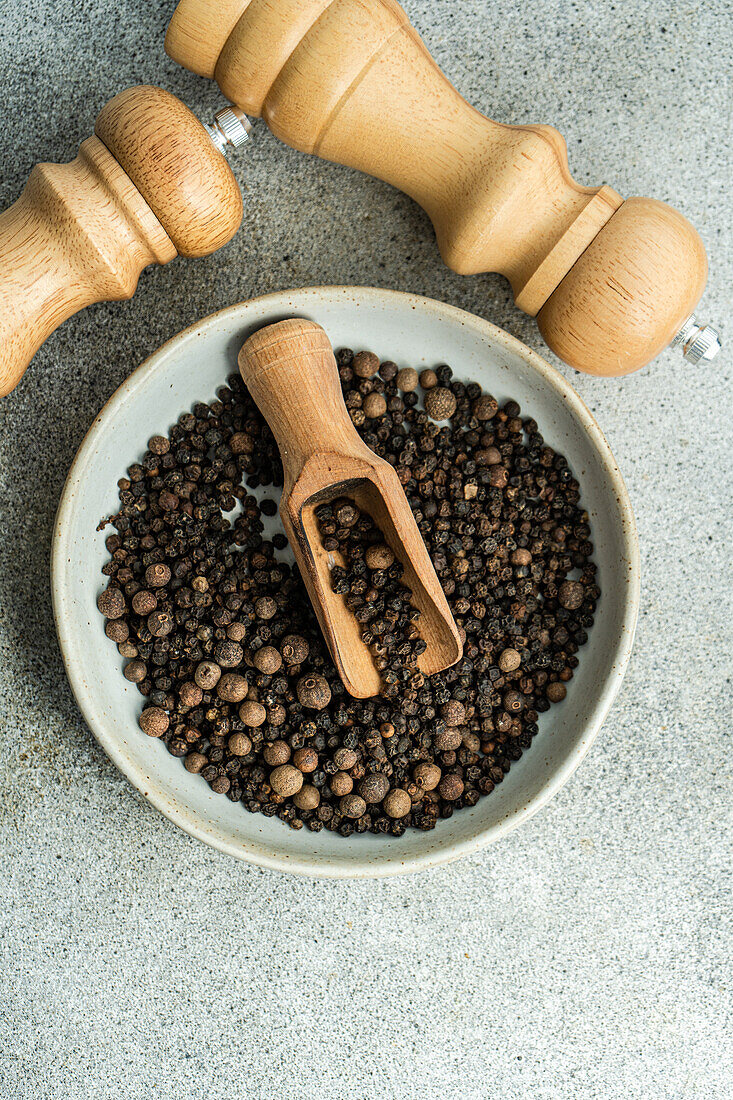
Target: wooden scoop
290, 371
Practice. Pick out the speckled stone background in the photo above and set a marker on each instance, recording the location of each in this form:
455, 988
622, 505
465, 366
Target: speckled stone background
589, 954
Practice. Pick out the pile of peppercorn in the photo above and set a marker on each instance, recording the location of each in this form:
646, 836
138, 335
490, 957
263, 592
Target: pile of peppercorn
370, 580
220, 638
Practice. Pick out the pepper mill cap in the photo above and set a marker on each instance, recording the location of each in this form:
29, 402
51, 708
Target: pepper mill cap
627, 296
169, 156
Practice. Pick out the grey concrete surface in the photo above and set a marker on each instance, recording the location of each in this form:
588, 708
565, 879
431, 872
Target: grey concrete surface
589, 954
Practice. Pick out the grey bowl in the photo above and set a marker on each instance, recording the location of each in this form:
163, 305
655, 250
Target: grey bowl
413, 331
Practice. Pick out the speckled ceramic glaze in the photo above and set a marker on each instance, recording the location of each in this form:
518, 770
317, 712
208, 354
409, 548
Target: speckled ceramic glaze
413, 331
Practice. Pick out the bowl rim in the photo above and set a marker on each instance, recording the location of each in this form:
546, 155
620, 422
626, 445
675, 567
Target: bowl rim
168, 804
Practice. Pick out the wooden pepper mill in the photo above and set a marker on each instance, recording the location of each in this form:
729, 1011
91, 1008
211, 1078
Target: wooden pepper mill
150, 184
611, 282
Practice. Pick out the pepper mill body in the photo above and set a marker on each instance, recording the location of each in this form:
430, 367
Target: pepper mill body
148, 185
611, 282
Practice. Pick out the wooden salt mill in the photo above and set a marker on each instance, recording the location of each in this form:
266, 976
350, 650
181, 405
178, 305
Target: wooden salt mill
611, 282
290, 371
150, 184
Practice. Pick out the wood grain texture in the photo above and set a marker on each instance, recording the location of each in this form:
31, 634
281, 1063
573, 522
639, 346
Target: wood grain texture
149, 184
291, 373
629, 293
351, 81
170, 158
79, 233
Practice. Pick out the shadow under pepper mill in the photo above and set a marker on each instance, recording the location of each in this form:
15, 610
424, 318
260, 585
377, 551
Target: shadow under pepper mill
611, 282
149, 185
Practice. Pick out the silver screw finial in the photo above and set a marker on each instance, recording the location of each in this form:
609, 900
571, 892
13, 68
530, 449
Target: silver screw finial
700, 343
230, 129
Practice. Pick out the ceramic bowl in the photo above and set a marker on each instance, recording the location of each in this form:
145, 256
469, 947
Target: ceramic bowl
413, 331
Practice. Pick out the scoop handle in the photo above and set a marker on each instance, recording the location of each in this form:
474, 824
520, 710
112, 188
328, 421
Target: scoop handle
290, 370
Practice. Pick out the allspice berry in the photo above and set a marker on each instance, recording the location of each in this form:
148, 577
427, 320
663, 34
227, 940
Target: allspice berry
570, 595
286, 780
294, 649
428, 379
313, 692
365, 364
157, 575
265, 607
448, 740
345, 759
341, 783
379, 557
117, 630
112, 603
373, 787
453, 712
509, 660
154, 721
521, 557
135, 671
374, 405
306, 759
267, 660
143, 602
239, 744
241, 444
556, 691
207, 675
513, 702
160, 623
397, 803
352, 805
450, 787
232, 688
194, 762
440, 403
236, 632
485, 407
427, 776
190, 694
307, 798
276, 752
407, 379
252, 714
